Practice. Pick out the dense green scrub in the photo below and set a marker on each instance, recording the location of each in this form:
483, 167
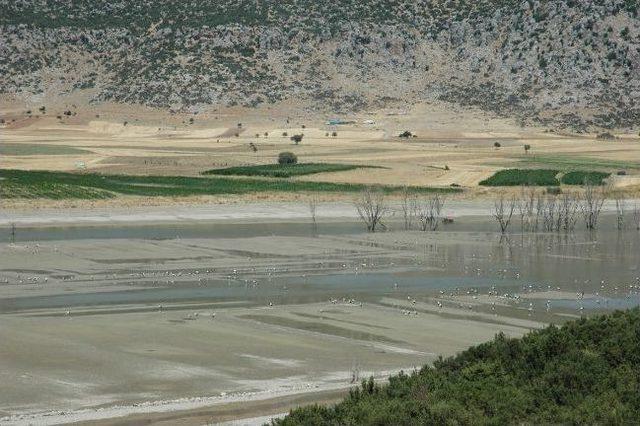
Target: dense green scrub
516, 177
283, 171
580, 178
585, 372
60, 185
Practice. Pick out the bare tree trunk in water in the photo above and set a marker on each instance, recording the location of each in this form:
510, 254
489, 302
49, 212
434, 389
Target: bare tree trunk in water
372, 208
313, 206
503, 212
592, 202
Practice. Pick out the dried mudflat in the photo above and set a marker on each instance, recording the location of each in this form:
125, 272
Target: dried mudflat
97, 329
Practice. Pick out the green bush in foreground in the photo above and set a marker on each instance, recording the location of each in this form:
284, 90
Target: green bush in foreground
283, 170
61, 185
517, 177
585, 372
581, 177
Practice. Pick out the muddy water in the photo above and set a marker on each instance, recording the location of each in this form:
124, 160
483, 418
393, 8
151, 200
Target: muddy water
593, 271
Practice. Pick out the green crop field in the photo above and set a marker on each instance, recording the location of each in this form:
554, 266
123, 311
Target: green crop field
582, 177
60, 185
284, 171
516, 177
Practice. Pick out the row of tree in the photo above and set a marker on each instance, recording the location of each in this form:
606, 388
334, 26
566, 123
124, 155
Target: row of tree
559, 212
537, 210
423, 213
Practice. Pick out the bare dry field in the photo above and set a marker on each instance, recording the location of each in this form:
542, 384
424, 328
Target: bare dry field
453, 146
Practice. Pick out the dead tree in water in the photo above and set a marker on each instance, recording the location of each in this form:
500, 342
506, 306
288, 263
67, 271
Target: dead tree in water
549, 214
620, 210
503, 212
409, 208
313, 206
567, 212
371, 208
430, 213
526, 207
592, 205
540, 206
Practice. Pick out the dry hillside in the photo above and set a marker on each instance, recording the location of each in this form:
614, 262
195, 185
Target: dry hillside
572, 64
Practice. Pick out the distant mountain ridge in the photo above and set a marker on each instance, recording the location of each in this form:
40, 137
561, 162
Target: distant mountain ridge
572, 64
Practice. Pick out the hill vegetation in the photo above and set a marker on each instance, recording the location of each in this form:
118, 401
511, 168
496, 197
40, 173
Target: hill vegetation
584, 372
541, 61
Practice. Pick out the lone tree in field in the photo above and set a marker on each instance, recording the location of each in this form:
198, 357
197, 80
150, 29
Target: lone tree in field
371, 208
497, 144
287, 158
297, 139
527, 147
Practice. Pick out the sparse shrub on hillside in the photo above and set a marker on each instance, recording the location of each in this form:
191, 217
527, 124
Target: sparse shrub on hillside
605, 136
405, 134
287, 158
383, 41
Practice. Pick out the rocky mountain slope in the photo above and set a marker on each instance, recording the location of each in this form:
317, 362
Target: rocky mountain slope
566, 63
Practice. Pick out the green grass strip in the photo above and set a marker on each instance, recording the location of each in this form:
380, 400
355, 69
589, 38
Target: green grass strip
284, 171
63, 185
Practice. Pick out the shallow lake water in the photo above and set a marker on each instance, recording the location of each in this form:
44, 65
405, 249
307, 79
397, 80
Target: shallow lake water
593, 271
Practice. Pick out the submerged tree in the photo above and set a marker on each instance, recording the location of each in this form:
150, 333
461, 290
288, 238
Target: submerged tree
313, 206
503, 212
372, 208
409, 205
620, 210
430, 212
592, 202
